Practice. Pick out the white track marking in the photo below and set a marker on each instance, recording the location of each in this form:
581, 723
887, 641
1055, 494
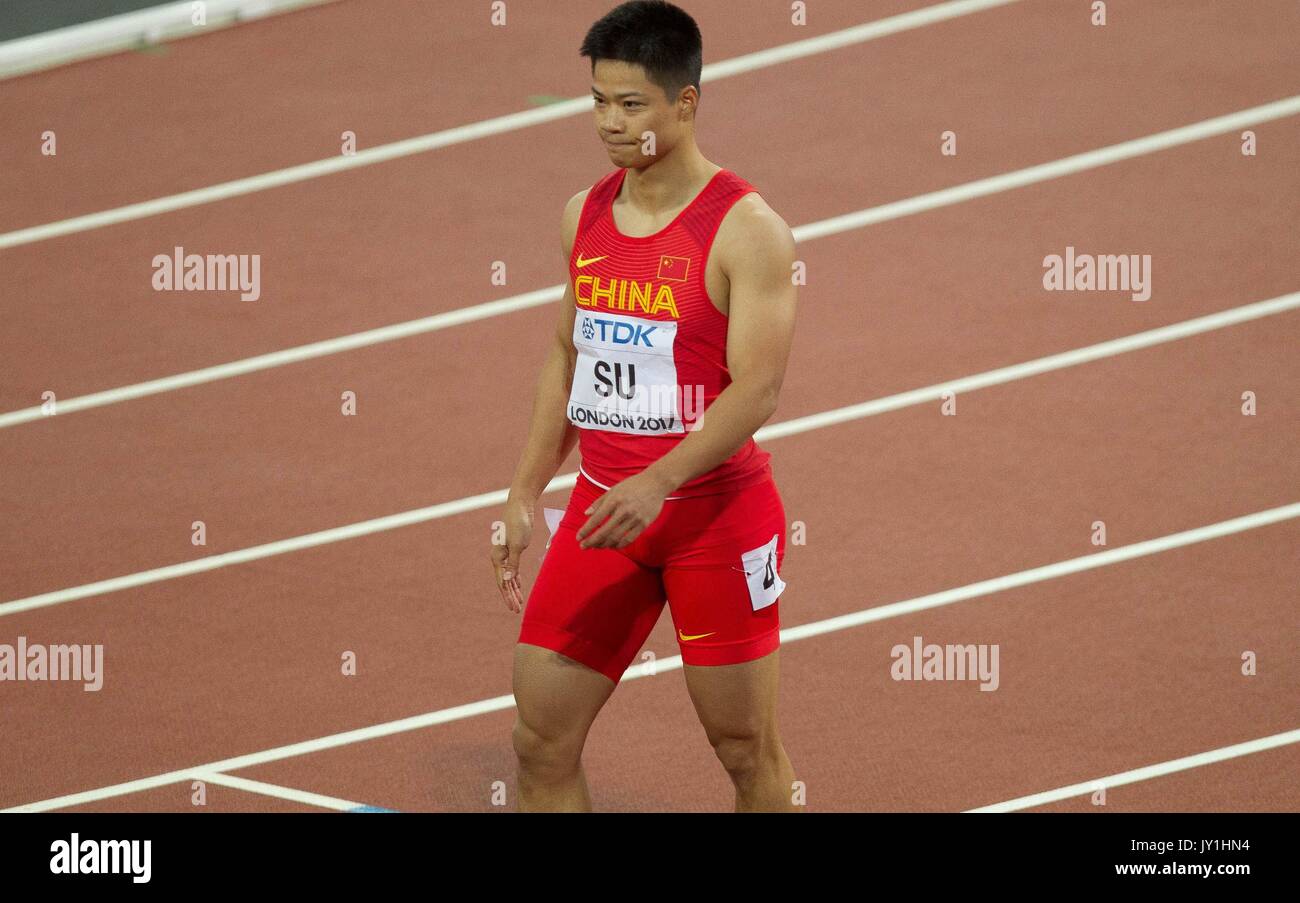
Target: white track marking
113, 34
820, 420
1145, 774
672, 663
1065, 166
857, 34
1050, 571
279, 547
333, 741
843, 223
1072, 358
275, 790
292, 355
820, 229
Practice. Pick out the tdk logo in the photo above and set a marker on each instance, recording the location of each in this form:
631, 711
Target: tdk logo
618, 333
587, 329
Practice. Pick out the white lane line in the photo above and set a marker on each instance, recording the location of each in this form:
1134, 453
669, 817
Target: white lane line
275, 790
820, 420
1145, 774
820, 229
333, 741
279, 547
292, 355
750, 62
1071, 358
672, 663
1051, 571
1043, 172
152, 25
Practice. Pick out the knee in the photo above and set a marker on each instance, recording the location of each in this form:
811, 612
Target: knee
541, 753
741, 753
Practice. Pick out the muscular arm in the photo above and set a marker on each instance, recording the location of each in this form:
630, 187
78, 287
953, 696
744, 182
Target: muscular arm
756, 252
757, 259
551, 436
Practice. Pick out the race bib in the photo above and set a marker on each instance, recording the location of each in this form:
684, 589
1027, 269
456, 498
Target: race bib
759, 565
625, 380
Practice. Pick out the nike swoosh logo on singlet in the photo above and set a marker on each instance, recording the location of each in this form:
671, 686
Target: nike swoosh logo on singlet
582, 263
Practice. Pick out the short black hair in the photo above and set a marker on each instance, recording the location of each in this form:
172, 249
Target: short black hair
663, 39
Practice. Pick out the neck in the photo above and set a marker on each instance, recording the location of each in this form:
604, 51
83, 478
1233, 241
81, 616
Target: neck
671, 181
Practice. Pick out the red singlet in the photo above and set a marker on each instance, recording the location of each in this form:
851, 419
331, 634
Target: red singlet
652, 347
645, 330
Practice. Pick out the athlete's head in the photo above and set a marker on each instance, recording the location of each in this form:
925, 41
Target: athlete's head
646, 57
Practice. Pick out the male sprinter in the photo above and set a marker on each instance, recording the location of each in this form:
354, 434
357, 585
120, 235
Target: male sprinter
671, 348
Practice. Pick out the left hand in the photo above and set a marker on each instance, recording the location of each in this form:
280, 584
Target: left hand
626, 509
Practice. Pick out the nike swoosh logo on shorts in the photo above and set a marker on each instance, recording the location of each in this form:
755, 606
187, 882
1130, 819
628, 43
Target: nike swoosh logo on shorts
698, 636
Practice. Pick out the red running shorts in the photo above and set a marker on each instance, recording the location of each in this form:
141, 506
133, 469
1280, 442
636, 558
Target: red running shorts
715, 559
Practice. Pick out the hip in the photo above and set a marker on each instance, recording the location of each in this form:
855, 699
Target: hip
716, 529
607, 460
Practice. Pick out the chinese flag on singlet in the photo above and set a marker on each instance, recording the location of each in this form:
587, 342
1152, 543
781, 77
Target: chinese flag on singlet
673, 268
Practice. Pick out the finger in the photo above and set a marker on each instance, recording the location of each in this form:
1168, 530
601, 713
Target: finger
600, 530
617, 528
513, 596
517, 594
630, 536
500, 555
634, 530
612, 528
597, 510
511, 564
598, 514
498, 571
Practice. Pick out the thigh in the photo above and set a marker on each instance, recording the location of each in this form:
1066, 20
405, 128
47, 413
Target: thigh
594, 606
736, 702
557, 698
722, 572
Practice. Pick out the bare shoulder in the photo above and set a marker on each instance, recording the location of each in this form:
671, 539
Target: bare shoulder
569, 226
753, 234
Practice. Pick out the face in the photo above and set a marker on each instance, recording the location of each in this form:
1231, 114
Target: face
628, 104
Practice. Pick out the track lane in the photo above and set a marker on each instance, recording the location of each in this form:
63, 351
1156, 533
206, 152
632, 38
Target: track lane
409, 225
383, 69
186, 456
1261, 265
1085, 661
1261, 782
260, 645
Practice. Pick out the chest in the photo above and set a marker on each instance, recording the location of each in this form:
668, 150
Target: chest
638, 227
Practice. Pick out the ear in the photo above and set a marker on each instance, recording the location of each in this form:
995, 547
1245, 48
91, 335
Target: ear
687, 103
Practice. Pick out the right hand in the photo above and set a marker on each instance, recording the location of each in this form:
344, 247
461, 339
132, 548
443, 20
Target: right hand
518, 518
